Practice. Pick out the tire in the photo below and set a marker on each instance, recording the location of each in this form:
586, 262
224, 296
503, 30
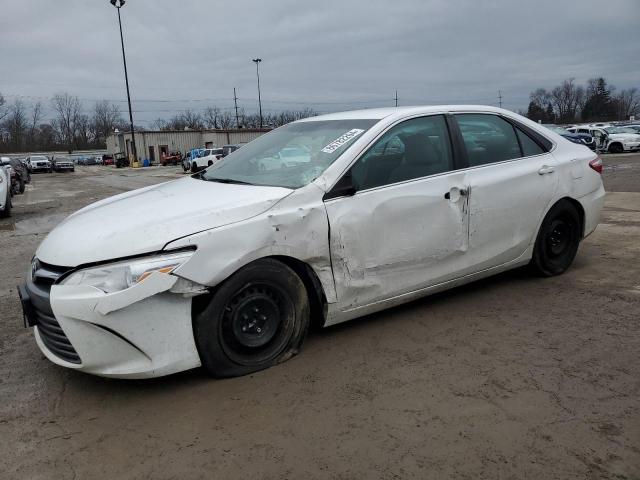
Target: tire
194, 168
616, 148
209, 163
258, 318
7, 206
21, 188
557, 241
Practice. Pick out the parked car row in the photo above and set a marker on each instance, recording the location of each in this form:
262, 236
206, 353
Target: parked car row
200, 158
14, 175
602, 137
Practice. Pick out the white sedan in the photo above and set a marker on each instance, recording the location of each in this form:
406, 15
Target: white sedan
393, 204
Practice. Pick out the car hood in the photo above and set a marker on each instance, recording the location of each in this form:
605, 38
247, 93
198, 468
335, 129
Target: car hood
145, 220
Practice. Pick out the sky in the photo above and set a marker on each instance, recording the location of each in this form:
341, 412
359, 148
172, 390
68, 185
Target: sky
330, 55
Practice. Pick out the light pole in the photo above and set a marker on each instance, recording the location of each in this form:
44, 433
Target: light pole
119, 4
257, 62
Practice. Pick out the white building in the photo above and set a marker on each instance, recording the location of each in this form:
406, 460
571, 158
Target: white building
151, 144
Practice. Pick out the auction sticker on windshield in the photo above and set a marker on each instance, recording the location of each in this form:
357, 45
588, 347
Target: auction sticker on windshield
341, 140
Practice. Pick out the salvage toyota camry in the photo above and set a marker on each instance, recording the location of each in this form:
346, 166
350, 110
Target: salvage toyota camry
380, 207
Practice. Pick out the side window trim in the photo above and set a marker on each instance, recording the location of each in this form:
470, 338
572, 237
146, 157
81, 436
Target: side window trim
460, 159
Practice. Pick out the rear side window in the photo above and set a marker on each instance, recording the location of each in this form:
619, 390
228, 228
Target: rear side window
488, 138
529, 147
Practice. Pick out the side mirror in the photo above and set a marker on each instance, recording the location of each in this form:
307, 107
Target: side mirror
344, 188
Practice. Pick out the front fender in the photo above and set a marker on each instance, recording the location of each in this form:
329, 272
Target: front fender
297, 227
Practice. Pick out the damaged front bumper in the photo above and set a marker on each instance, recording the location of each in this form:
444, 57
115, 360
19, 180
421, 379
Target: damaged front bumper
140, 332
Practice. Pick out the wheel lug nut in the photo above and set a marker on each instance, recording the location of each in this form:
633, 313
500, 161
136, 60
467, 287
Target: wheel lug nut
258, 329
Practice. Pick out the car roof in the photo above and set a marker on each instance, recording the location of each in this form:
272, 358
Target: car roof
380, 113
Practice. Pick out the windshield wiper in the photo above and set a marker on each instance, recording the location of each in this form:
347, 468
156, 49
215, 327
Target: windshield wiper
227, 180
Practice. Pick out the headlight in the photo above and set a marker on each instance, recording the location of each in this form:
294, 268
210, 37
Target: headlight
118, 276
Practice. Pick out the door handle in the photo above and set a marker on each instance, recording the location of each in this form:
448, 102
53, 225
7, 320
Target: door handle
545, 169
462, 192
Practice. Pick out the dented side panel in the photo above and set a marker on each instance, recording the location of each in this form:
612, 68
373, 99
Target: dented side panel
507, 202
296, 227
398, 238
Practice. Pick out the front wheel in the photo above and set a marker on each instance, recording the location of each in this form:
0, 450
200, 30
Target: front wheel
616, 148
256, 319
557, 241
194, 168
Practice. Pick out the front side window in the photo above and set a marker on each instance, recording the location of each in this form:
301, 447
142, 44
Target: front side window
291, 156
412, 149
488, 138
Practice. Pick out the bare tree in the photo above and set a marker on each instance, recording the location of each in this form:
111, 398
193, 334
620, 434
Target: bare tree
627, 103
211, 117
105, 118
567, 99
16, 125
36, 116
68, 110
83, 131
227, 120
3, 108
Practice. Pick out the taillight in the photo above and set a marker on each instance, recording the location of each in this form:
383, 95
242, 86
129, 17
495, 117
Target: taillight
596, 164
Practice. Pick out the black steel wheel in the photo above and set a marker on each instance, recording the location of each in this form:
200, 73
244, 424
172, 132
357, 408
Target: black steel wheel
257, 318
558, 240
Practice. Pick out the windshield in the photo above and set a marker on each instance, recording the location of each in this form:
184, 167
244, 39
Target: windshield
39, 157
291, 156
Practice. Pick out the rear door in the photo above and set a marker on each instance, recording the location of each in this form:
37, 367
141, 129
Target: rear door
511, 181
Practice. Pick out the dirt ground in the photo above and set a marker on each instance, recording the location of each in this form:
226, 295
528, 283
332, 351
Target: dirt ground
513, 377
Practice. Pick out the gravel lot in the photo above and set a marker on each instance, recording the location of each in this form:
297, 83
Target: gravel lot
511, 377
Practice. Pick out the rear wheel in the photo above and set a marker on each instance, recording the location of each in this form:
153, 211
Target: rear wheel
194, 167
21, 188
557, 241
257, 318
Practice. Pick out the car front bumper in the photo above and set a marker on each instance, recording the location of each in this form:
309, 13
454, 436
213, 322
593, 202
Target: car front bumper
142, 332
40, 168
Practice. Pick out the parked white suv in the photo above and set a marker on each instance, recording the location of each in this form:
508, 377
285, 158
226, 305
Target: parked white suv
393, 204
208, 158
39, 163
611, 139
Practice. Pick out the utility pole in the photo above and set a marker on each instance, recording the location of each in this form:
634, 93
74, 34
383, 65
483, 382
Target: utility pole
499, 98
119, 4
257, 62
396, 98
235, 101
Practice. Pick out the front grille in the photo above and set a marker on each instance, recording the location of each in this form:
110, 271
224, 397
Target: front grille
43, 276
54, 338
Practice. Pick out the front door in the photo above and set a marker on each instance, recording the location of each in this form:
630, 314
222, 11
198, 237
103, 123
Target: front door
399, 232
152, 154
